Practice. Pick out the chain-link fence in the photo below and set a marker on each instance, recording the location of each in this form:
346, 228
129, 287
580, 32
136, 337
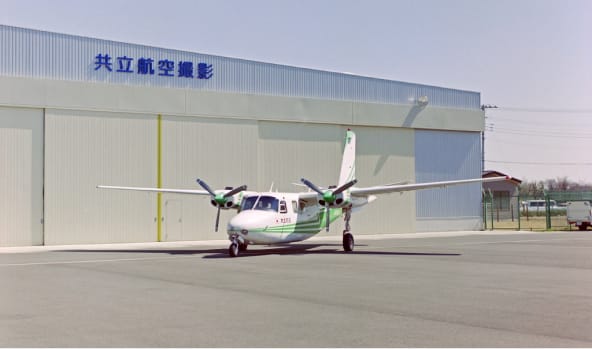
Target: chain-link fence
502, 211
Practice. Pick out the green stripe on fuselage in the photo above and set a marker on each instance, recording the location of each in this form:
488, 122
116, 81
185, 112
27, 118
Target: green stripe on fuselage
306, 227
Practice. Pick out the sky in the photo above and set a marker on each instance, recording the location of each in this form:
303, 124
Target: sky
531, 59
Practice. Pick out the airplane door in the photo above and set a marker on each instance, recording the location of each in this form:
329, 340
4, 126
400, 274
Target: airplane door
285, 218
173, 221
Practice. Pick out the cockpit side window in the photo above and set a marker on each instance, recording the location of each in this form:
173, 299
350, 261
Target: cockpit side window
248, 203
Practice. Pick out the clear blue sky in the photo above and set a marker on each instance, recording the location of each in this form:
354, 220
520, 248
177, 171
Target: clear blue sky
533, 59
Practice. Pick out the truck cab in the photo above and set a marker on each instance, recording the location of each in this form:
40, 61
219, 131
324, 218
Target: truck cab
579, 213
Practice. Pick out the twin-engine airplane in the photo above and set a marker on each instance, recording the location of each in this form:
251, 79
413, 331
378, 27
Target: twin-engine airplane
273, 218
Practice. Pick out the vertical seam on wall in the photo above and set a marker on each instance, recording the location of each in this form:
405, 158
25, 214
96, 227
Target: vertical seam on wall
159, 177
43, 165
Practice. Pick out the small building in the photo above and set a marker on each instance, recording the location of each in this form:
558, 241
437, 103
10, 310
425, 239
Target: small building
505, 194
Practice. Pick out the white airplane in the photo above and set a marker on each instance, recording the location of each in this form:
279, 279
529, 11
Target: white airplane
269, 218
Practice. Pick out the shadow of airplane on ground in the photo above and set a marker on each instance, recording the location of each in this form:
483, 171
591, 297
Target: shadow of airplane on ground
282, 250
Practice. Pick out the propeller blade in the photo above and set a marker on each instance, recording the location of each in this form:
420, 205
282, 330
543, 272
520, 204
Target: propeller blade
311, 186
217, 219
328, 218
206, 187
345, 186
235, 191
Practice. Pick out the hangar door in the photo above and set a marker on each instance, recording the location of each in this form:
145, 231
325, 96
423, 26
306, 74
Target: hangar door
441, 156
21, 176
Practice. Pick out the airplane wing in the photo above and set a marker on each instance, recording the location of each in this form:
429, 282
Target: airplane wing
308, 196
221, 199
400, 187
395, 188
157, 190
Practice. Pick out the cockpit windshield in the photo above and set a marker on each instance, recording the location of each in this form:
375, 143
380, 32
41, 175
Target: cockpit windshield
263, 203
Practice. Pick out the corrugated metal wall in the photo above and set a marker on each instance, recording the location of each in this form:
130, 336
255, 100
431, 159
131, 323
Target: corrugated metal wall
385, 155
445, 155
38, 54
21, 176
222, 152
259, 154
84, 149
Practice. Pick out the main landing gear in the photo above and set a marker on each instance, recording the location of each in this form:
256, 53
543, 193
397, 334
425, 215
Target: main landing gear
348, 238
237, 244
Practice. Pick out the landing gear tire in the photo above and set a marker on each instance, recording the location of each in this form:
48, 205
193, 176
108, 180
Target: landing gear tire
233, 249
348, 241
242, 247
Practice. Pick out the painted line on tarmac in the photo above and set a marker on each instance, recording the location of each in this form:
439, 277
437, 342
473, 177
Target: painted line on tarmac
92, 261
519, 241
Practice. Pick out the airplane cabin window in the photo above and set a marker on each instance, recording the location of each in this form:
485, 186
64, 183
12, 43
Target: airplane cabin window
283, 207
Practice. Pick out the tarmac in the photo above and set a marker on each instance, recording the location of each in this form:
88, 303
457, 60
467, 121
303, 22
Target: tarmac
459, 289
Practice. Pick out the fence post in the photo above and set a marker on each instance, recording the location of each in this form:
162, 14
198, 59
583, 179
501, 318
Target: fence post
491, 206
519, 211
484, 200
548, 211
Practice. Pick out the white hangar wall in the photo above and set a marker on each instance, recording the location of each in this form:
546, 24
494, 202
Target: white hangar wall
86, 148
61, 137
21, 176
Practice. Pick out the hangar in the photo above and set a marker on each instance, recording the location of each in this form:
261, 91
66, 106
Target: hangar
77, 111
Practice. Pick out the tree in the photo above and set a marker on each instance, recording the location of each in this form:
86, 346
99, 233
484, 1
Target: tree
537, 188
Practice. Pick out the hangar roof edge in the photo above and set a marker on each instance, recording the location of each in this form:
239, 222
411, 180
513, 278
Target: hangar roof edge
51, 55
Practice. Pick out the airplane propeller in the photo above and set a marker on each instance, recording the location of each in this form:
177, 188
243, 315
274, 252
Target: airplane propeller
328, 196
220, 199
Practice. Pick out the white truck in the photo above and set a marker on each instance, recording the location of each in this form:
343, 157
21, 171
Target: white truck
580, 214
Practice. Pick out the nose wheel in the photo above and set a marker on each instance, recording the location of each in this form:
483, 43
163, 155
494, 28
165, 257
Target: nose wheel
233, 249
237, 245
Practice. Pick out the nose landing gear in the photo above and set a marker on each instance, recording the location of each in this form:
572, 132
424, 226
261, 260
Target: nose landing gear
237, 244
348, 238
348, 241
233, 249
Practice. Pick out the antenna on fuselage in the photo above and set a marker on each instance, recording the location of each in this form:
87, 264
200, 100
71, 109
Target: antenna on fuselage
271, 188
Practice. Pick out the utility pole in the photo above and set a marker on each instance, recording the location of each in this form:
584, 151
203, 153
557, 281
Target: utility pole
484, 107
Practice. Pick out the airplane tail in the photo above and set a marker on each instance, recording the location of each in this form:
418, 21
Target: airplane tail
348, 162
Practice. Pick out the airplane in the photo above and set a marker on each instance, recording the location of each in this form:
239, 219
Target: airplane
269, 218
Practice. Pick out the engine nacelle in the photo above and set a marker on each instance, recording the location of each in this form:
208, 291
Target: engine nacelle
341, 200
232, 202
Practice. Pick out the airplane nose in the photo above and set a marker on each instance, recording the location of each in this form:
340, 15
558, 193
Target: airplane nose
249, 220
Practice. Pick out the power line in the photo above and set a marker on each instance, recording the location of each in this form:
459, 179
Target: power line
542, 163
530, 143
539, 132
547, 110
538, 121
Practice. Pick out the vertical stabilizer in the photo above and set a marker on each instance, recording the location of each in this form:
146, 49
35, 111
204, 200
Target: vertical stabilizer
348, 162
